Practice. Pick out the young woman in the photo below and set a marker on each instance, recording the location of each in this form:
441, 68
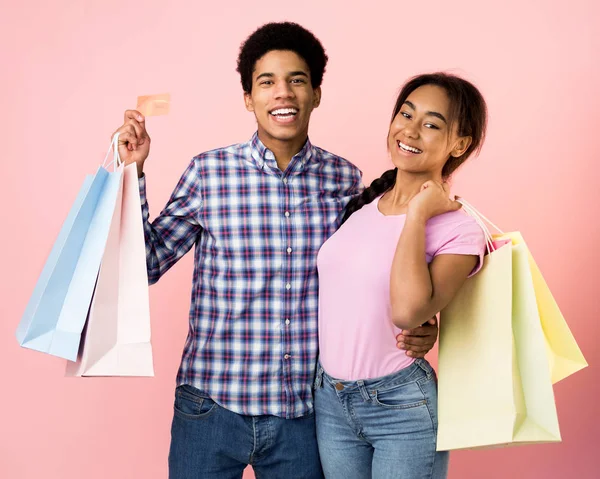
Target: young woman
401, 256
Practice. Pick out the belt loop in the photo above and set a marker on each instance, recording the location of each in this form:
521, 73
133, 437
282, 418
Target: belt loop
319, 376
363, 390
425, 367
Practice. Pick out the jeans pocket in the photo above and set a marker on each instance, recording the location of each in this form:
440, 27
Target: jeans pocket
404, 396
190, 403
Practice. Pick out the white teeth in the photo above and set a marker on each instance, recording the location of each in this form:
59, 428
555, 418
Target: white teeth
408, 148
284, 111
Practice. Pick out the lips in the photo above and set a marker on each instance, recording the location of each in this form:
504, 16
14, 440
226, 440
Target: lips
408, 148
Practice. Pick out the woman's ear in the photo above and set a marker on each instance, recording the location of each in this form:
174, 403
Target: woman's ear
460, 146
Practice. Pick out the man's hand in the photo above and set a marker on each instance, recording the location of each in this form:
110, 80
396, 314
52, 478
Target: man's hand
419, 341
134, 141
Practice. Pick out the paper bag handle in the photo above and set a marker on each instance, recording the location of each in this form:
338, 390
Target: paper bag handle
114, 146
481, 220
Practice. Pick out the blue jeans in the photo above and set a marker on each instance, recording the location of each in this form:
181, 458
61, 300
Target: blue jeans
209, 441
381, 428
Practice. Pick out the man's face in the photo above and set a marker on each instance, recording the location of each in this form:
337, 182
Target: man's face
282, 96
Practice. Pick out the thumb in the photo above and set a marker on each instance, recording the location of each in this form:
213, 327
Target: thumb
457, 203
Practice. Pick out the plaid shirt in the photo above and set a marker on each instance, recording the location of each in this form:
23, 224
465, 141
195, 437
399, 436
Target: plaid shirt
252, 343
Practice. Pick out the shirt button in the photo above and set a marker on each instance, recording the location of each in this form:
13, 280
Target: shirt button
287, 321
289, 250
288, 286
285, 180
287, 214
287, 356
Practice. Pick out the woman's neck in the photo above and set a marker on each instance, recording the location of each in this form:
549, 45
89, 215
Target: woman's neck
407, 186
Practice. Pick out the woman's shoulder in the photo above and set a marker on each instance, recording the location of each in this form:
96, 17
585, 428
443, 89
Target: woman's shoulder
452, 220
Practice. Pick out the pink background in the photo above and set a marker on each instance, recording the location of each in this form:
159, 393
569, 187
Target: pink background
71, 67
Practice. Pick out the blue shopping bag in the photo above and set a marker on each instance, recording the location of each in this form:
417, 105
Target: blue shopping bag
57, 310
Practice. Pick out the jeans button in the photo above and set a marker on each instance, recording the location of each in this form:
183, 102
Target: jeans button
339, 386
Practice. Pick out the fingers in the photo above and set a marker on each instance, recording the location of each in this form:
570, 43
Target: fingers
416, 355
128, 136
137, 120
428, 329
415, 351
418, 349
133, 115
417, 341
133, 133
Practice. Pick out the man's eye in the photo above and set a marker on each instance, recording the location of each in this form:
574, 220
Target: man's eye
266, 82
298, 80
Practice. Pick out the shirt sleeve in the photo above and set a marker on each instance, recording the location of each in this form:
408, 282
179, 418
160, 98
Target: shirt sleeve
354, 186
176, 229
466, 238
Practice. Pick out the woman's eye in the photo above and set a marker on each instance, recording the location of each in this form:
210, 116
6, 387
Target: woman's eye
405, 115
432, 126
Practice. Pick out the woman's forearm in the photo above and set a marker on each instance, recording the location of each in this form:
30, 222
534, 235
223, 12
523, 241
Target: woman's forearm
411, 288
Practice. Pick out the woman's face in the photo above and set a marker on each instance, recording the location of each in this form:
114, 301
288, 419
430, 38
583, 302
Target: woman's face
420, 138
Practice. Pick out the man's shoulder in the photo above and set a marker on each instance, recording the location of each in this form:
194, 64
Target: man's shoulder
223, 153
336, 161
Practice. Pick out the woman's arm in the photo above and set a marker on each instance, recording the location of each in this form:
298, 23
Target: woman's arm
418, 290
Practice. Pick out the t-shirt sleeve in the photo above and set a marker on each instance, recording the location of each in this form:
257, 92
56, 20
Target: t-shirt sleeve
465, 238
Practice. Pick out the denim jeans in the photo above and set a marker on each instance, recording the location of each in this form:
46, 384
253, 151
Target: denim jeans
380, 428
209, 441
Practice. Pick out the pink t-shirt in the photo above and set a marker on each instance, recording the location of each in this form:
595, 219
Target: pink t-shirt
357, 339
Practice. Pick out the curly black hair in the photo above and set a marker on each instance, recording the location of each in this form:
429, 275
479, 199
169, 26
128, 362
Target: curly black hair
281, 36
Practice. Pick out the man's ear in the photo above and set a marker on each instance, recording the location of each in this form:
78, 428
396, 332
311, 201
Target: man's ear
317, 98
248, 101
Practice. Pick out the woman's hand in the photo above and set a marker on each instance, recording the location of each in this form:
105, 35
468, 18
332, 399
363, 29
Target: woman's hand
432, 200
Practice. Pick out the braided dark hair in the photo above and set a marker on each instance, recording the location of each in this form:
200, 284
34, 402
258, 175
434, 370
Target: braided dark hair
467, 108
375, 189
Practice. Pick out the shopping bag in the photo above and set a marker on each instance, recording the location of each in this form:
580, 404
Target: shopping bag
495, 383
563, 352
117, 337
56, 312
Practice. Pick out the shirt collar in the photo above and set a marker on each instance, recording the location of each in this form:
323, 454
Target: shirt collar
263, 156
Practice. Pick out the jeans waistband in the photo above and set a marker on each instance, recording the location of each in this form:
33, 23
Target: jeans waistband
419, 368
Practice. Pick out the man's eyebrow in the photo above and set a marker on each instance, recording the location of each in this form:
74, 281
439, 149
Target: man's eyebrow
265, 75
430, 113
291, 74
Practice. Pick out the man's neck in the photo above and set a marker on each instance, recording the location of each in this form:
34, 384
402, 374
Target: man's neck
284, 150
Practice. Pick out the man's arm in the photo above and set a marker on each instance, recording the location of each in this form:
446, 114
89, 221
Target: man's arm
176, 229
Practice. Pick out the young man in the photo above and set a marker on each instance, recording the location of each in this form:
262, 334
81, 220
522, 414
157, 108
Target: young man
258, 212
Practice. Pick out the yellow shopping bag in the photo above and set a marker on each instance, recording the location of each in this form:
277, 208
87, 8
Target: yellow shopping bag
495, 380
563, 352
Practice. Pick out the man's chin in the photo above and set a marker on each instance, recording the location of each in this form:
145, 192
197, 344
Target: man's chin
286, 134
